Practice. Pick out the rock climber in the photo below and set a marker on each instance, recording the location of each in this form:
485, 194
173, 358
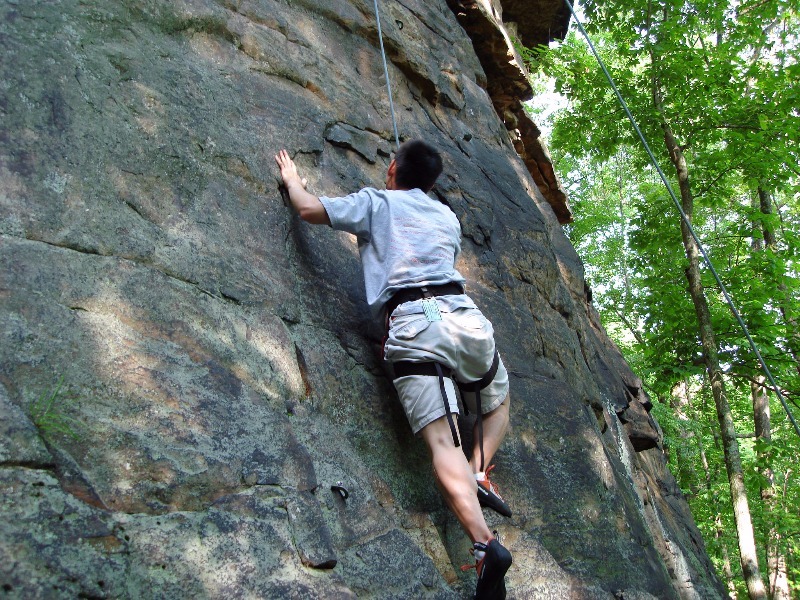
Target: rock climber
408, 244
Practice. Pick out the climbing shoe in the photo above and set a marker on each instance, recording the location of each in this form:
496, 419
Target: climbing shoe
489, 496
492, 560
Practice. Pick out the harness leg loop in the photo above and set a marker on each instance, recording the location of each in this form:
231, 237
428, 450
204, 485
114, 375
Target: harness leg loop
476, 387
433, 368
447, 412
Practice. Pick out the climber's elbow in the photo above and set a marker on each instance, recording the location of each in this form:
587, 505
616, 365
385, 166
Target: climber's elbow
315, 214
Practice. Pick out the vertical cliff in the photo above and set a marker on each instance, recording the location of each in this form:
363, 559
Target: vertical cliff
186, 368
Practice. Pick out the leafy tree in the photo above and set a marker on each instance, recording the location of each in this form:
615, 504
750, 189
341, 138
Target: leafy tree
713, 81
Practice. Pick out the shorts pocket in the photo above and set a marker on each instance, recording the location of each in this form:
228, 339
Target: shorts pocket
408, 327
472, 318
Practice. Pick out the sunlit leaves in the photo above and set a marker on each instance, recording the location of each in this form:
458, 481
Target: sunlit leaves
726, 77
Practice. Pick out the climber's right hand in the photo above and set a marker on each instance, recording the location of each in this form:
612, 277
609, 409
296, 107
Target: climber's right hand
289, 173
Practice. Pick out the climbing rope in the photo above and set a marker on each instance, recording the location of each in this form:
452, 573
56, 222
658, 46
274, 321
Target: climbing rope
386, 74
685, 218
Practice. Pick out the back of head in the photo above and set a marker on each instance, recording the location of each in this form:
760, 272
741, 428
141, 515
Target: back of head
417, 165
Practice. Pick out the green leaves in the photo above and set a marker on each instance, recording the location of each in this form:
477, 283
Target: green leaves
47, 413
722, 76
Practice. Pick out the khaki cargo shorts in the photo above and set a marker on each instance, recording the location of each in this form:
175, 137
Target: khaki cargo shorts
463, 340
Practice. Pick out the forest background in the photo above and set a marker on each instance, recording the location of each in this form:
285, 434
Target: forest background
714, 87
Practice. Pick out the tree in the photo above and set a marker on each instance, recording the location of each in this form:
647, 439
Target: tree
713, 79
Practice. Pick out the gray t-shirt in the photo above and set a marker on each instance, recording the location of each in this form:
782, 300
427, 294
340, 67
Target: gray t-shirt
405, 238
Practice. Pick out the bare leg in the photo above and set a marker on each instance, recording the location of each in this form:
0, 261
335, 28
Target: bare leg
495, 425
455, 479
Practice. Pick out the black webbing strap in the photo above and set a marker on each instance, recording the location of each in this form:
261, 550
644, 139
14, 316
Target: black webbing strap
477, 386
403, 368
471, 386
447, 412
416, 293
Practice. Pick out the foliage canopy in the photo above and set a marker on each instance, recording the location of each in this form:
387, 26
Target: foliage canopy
724, 76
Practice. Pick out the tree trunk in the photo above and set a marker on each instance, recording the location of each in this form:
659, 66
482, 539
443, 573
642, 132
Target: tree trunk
790, 318
776, 559
761, 411
778, 577
680, 403
733, 462
765, 206
727, 569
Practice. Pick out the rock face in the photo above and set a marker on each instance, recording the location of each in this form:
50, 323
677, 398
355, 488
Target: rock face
507, 79
189, 383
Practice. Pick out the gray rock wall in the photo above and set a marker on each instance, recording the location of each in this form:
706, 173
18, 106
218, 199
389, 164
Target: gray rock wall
186, 368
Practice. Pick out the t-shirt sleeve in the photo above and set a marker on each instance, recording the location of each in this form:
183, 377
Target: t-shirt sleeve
352, 213
456, 236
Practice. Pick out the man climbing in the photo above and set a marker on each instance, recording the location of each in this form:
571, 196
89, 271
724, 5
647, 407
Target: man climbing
408, 244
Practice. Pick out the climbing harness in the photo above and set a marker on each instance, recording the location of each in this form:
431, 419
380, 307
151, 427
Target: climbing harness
432, 368
686, 221
476, 387
386, 74
418, 293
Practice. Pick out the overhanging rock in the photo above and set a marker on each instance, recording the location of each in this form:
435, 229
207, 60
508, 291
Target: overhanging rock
507, 77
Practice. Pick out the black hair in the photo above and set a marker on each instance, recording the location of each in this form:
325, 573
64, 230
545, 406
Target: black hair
417, 165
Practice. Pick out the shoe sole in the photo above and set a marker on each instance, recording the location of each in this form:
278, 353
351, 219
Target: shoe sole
488, 500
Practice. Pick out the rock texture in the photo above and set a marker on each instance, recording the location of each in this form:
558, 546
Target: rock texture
222, 391
507, 78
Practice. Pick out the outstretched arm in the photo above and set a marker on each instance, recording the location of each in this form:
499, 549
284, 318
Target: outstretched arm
306, 204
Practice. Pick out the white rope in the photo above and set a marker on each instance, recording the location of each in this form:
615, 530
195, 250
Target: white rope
386, 73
